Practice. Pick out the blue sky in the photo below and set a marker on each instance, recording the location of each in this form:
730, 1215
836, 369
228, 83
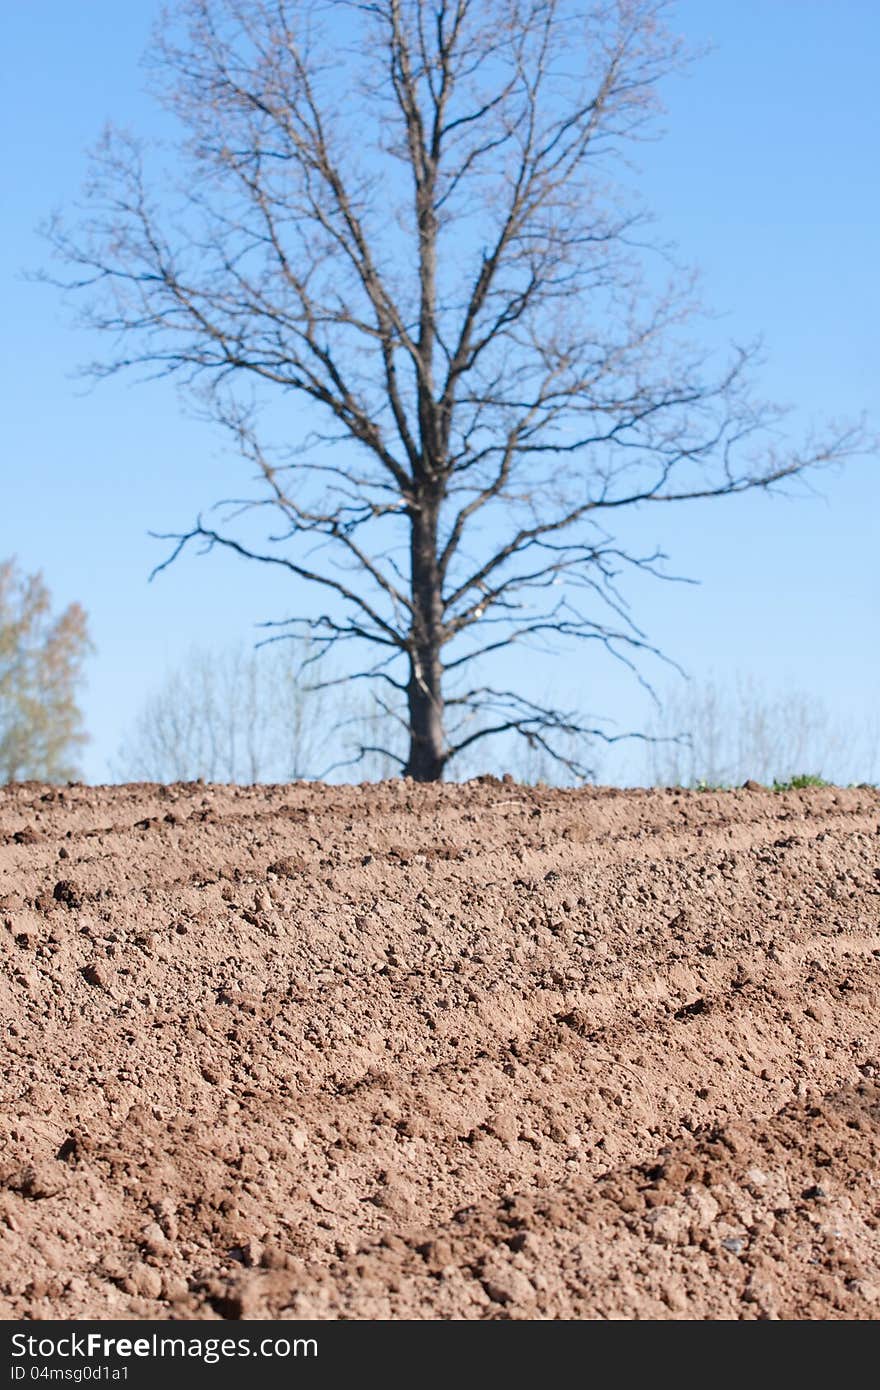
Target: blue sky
766, 179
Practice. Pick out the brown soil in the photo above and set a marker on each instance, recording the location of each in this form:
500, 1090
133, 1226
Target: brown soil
473, 1052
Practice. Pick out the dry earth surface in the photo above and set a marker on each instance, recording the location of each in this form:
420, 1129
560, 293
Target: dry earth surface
472, 1052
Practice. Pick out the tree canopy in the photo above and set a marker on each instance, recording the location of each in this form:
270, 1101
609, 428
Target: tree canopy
41, 666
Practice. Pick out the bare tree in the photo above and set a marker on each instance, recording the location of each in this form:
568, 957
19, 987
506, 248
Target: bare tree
739, 729
400, 215
242, 716
41, 666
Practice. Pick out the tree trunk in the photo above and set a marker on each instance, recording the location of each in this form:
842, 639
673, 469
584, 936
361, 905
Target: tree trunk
427, 747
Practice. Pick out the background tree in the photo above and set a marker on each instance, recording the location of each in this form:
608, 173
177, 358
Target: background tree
243, 716
41, 666
400, 218
738, 729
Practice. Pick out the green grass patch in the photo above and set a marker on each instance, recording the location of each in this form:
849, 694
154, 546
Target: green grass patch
800, 783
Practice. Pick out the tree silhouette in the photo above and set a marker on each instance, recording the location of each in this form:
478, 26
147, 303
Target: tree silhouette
400, 219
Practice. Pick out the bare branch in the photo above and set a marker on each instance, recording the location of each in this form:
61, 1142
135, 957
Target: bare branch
212, 538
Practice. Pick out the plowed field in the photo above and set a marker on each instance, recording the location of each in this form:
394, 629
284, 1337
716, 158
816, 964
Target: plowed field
477, 1051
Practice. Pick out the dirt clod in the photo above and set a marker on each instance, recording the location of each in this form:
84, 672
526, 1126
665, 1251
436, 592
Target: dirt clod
97, 975
68, 892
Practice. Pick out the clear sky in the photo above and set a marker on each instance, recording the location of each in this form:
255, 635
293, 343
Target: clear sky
766, 179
